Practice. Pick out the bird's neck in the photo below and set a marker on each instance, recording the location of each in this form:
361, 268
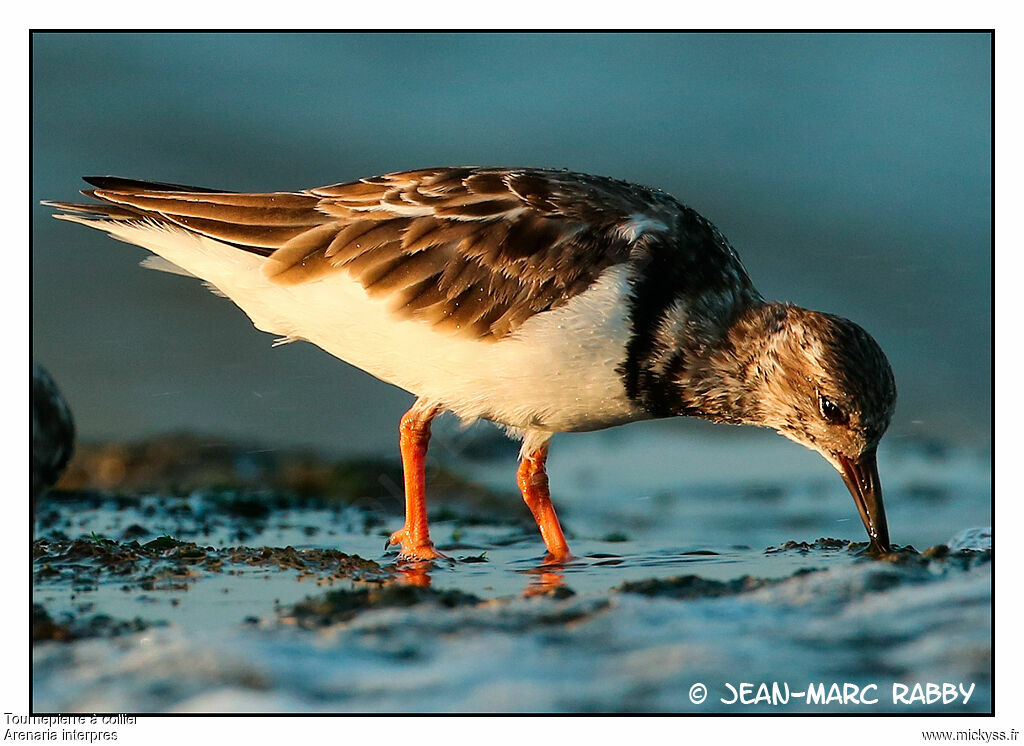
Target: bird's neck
714, 370
726, 383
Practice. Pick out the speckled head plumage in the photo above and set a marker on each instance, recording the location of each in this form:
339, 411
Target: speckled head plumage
824, 381
817, 379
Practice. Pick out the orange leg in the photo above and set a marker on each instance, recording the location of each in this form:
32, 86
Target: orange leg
414, 536
533, 482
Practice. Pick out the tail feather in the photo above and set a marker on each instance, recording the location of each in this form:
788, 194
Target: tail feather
256, 223
94, 210
106, 209
119, 183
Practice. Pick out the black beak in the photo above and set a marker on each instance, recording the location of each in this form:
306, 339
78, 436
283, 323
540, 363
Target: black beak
861, 477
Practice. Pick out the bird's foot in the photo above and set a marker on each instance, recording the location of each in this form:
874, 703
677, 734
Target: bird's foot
557, 558
413, 549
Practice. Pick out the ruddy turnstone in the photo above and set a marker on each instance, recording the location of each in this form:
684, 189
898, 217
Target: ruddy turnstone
545, 301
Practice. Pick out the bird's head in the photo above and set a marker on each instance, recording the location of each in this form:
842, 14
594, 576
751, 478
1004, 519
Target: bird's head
822, 381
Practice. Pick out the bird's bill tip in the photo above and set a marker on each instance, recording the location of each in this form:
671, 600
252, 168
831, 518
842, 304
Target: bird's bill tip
861, 477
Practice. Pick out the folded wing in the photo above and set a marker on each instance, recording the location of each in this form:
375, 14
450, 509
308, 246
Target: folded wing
474, 250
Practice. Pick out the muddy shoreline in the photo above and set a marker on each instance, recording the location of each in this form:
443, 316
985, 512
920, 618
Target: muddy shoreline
227, 592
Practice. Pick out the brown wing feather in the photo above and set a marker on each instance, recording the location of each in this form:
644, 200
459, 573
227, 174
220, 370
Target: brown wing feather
475, 250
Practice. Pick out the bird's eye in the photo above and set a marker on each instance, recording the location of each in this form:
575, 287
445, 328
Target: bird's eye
831, 411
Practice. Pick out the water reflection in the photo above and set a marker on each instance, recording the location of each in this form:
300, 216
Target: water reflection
546, 578
414, 572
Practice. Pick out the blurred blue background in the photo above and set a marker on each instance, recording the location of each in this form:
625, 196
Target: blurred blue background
851, 172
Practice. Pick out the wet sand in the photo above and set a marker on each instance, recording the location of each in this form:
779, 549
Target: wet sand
272, 593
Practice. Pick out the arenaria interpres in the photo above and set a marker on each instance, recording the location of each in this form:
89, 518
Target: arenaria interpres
545, 301
53, 431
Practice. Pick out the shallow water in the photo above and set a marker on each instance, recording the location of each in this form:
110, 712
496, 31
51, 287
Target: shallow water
675, 584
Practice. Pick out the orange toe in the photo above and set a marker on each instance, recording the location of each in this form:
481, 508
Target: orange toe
422, 552
558, 558
411, 549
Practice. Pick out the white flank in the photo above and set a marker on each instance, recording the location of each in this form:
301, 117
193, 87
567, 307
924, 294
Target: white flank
556, 373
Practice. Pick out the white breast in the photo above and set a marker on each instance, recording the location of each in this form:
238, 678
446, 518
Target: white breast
556, 373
